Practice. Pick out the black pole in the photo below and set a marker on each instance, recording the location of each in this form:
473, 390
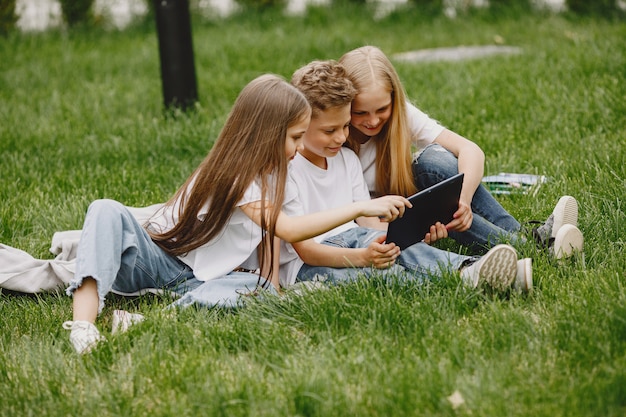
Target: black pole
178, 73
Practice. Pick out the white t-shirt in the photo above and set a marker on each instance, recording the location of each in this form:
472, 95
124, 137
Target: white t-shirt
236, 243
424, 131
311, 189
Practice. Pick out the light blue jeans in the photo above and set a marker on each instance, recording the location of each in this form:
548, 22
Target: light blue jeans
118, 253
492, 224
418, 262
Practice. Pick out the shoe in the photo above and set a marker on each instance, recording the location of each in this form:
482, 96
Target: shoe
568, 239
565, 212
497, 268
524, 278
122, 320
84, 335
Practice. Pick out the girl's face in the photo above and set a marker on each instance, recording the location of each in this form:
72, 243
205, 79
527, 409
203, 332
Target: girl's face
371, 109
295, 133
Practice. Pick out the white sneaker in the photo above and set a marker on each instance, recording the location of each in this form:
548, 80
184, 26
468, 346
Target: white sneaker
498, 268
568, 239
565, 212
84, 335
524, 278
122, 320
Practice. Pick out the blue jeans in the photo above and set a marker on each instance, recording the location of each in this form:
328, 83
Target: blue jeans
419, 262
492, 224
228, 291
118, 253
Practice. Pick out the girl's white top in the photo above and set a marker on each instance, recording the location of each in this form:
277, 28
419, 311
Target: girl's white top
424, 131
235, 245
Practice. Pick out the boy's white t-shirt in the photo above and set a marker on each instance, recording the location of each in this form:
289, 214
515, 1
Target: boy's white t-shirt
235, 245
424, 131
311, 189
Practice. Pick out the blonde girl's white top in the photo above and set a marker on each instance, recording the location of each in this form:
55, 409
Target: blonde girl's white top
424, 131
311, 189
235, 244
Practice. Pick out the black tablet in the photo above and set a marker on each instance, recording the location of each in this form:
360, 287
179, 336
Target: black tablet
435, 204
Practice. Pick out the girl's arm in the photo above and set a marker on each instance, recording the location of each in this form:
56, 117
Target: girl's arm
372, 223
471, 162
295, 229
378, 254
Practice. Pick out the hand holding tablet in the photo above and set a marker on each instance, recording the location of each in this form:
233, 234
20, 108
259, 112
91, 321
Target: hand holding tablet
434, 204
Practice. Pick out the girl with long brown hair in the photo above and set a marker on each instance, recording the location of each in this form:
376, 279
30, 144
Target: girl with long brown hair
213, 225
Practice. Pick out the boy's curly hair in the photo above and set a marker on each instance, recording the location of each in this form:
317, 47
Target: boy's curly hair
325, 85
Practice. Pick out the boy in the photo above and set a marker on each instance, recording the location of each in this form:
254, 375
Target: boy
325, 174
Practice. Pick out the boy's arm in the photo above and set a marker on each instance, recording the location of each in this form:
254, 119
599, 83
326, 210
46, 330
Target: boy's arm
377, 254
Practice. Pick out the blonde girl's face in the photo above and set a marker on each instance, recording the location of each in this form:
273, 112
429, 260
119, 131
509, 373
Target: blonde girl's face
371, 109
295, 133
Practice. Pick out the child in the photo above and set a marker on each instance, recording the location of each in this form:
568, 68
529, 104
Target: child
214, 223
383, 128
327, 175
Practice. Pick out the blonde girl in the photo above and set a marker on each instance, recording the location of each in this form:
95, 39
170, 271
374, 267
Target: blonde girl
385, 129
210, 230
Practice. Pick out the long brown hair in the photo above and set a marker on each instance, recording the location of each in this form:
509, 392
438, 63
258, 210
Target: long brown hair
250, 147
367, 66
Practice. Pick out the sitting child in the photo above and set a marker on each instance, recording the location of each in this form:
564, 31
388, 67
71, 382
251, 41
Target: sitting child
325, 174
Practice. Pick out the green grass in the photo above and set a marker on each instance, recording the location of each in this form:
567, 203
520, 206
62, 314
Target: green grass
81, 118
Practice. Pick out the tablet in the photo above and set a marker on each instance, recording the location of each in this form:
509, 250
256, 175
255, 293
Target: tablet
435, 204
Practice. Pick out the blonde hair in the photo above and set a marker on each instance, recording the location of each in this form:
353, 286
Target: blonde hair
367, 66
325, 84
250, 147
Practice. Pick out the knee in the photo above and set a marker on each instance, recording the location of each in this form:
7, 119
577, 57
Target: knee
434, 164
105, 209
105, 205
437, 158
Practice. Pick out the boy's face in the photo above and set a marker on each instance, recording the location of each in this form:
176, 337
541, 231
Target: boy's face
325, 135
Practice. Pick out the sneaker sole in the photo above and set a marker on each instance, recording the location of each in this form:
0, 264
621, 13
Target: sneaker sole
569, 239
524, 277
499, 267
565, 212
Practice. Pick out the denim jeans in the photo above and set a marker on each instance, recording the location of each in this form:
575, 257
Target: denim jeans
228, 291
419, 262
118, 253
491, 225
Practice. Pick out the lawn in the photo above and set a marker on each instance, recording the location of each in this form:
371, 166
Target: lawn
81, 118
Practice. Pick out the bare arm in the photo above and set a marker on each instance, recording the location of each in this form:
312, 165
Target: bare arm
372, 223
377, 254
471, 162
294, 229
